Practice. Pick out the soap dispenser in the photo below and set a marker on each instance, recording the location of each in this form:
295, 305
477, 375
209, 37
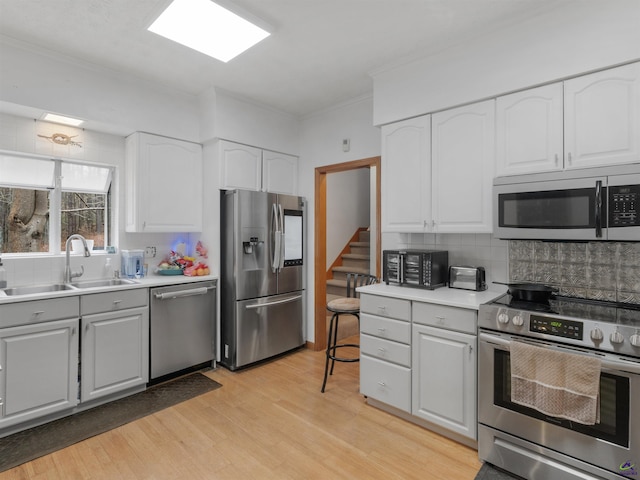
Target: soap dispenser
3, 276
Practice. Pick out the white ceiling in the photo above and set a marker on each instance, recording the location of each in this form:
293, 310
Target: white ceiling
321, 52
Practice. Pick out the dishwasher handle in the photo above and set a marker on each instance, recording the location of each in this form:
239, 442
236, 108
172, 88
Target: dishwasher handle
182, 293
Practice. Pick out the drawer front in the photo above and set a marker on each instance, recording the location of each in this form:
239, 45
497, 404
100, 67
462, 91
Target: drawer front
386, 307
386, 382
396, 330
114, 301
386, 350
35, 311
441, 316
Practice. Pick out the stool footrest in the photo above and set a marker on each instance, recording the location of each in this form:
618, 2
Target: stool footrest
333, 348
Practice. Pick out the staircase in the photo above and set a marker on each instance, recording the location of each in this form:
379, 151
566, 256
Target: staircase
354, 259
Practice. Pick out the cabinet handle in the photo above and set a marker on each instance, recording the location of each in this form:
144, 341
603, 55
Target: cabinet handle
382, 384
39, 312
440, 319
86, 329
1, 402
557, 159
569, 157
73, 331
116, 302
380, 329
381, 350
470, 349
382, 307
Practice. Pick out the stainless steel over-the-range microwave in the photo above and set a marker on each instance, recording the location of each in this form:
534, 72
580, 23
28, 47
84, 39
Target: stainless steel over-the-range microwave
588, 204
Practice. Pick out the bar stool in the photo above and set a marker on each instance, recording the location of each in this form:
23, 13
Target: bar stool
349, 305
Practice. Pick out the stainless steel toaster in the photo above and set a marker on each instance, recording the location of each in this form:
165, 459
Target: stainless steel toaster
467, 278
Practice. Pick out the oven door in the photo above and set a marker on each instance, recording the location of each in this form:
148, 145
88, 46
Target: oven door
611, 446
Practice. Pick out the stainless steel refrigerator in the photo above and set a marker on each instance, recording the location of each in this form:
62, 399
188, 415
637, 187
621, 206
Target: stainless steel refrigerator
262, 274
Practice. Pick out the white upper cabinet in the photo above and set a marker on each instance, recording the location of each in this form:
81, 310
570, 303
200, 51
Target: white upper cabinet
251, 168
279, 173
406, 175
602, 118
240, 166
529, 131
462, 162
163, 184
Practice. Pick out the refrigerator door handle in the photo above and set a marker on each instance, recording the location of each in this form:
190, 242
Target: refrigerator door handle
276, 240
277, 302
282, 234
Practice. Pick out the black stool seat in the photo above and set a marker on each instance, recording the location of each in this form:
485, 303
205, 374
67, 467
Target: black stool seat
343, 306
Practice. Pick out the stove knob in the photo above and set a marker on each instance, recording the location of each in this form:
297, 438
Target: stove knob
616, 337
518, 321
503, 318
635, 339
596, 335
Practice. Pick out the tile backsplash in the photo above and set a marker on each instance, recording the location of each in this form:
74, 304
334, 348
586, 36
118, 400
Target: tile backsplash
595, 270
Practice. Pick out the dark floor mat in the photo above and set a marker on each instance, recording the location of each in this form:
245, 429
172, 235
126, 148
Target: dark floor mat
29, 444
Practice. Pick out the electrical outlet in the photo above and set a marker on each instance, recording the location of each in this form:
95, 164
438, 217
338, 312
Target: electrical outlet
150, 252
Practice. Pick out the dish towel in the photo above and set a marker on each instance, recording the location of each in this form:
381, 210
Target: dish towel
558, 384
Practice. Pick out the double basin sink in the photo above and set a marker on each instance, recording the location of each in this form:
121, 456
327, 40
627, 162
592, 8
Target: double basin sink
59, 287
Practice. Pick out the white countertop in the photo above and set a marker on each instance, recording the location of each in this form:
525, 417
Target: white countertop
149, 281
453, 297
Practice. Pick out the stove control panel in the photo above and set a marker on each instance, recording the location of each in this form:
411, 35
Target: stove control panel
556, 326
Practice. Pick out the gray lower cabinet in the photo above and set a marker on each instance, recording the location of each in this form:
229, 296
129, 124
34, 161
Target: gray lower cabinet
444, 367
38, 359
115, 342
385, 350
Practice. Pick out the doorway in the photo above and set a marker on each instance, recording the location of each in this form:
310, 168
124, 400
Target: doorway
320, 264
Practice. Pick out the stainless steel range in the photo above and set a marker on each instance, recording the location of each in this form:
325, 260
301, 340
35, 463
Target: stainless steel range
536, 446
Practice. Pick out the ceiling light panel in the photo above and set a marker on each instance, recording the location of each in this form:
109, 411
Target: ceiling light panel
208, 28
52, 117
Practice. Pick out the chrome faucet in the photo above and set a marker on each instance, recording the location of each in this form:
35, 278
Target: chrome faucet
68, 273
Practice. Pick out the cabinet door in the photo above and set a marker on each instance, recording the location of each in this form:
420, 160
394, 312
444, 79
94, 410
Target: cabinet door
444, 378
406, 175
38, 370
240, 166
115, 352
279, 173
164, 184
463, 168
529, 131
602, 118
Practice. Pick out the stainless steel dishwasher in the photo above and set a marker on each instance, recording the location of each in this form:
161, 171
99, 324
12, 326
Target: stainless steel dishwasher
182, 328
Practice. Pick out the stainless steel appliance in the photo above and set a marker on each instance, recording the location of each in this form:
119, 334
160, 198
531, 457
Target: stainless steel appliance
526, 442
262, 274
589, 204
182, 328
416, 268
468, 278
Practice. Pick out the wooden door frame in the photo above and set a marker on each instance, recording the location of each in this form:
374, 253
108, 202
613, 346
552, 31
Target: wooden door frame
320, 264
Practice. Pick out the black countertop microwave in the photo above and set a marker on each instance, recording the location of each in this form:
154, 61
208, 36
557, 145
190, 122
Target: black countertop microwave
587, 204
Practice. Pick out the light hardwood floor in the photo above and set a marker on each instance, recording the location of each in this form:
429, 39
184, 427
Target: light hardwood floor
266, 422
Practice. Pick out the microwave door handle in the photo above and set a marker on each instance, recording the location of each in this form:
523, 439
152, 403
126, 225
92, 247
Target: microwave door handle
401, 267
599, 209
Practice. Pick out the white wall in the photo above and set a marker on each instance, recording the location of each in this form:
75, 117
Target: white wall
574, 38
321, 138
110, 101
348, 202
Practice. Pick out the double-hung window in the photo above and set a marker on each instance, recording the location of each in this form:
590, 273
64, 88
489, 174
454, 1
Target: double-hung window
44, 200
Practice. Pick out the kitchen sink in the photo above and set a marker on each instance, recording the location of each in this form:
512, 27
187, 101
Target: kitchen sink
56, 287
111, 282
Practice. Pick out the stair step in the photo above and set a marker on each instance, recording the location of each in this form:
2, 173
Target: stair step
360, 244
364, 235
340, 273
355, 256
